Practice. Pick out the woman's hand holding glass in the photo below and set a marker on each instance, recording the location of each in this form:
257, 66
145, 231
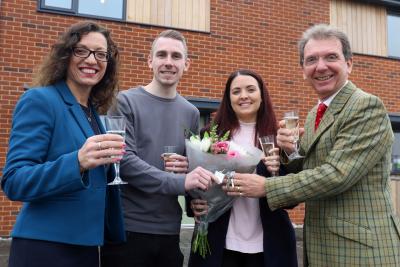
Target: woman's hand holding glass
100, 150
272, 161
271, 154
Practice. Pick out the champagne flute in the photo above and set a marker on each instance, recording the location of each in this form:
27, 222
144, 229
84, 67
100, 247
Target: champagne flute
116, 125
168, 151
292, 122
267, 143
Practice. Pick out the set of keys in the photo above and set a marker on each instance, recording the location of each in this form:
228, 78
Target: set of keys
229, 175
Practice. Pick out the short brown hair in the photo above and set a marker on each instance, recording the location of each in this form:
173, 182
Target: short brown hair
323, 32
173, 34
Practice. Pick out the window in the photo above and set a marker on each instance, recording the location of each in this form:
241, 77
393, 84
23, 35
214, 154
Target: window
181, 14
206, 107
395, 119
102, 8
393, 26
96, 8
67, 4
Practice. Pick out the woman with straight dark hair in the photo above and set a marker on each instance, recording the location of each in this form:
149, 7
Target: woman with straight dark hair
249, 234
59, 155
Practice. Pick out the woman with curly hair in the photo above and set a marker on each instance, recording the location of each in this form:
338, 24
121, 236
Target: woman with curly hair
58, 157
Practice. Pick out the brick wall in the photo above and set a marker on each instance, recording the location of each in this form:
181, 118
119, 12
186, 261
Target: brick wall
259, 34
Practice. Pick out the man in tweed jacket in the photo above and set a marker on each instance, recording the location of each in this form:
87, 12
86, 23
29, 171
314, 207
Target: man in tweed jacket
344, 175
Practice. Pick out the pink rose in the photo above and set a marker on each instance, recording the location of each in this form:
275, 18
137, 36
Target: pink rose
223, 146
220, 147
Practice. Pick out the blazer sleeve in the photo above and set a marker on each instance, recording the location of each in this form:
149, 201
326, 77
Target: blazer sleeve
263, 171
363, 138
28, 174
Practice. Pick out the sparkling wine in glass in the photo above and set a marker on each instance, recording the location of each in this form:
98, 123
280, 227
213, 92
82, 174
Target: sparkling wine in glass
267, 143
168, 151
292, 122
116, 125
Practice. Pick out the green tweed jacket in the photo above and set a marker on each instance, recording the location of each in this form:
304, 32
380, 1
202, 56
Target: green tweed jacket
344, 181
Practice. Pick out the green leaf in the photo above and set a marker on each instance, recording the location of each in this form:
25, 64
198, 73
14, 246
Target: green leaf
226, 136
201, 245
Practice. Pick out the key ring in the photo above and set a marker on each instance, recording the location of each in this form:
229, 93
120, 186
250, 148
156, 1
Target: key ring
230, 183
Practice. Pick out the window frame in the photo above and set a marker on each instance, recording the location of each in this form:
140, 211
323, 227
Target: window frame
387, 3
74, 11
395, 121
43, 6
397, 14
206, 106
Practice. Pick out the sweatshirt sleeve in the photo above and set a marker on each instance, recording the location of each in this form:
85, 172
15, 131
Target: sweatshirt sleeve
136, 171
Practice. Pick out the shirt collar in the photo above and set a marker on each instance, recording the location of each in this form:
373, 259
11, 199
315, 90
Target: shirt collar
328, 101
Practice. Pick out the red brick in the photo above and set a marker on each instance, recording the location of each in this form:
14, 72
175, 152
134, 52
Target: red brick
261, 36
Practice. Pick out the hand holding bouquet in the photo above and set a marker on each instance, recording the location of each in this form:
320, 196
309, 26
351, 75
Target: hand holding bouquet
221, 157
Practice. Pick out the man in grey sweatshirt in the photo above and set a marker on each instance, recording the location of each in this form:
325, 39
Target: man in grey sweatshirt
156, 116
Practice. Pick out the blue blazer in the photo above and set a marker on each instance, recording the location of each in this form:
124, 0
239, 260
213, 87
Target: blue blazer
42, 170
279, 236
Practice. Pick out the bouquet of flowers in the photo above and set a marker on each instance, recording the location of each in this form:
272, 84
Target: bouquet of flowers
223, 158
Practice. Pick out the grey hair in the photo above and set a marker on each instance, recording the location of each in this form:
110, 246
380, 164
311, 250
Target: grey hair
173, 34
323, 32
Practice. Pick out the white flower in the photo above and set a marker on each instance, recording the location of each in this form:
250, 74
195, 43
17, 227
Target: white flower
195, 140
205, 144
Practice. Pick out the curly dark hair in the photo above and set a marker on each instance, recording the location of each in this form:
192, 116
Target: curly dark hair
227, 120
55, 66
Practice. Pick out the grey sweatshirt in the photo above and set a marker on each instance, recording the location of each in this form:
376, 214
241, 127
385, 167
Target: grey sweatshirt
150, 200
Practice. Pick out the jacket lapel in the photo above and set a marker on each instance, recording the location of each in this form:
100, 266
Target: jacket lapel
74, 107
310, 136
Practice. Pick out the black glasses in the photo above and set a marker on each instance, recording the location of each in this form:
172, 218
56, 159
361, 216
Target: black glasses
85, 53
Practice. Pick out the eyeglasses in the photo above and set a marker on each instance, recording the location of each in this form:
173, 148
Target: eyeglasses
330, 58
85, 53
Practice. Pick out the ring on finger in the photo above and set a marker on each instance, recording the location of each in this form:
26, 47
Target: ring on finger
240, 194
98, 145
238, 188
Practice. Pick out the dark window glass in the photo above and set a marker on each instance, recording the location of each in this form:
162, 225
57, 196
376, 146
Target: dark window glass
396, 153
395, 120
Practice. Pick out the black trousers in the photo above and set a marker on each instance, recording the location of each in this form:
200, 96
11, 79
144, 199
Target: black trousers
39, 253
143, 250
239, 259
